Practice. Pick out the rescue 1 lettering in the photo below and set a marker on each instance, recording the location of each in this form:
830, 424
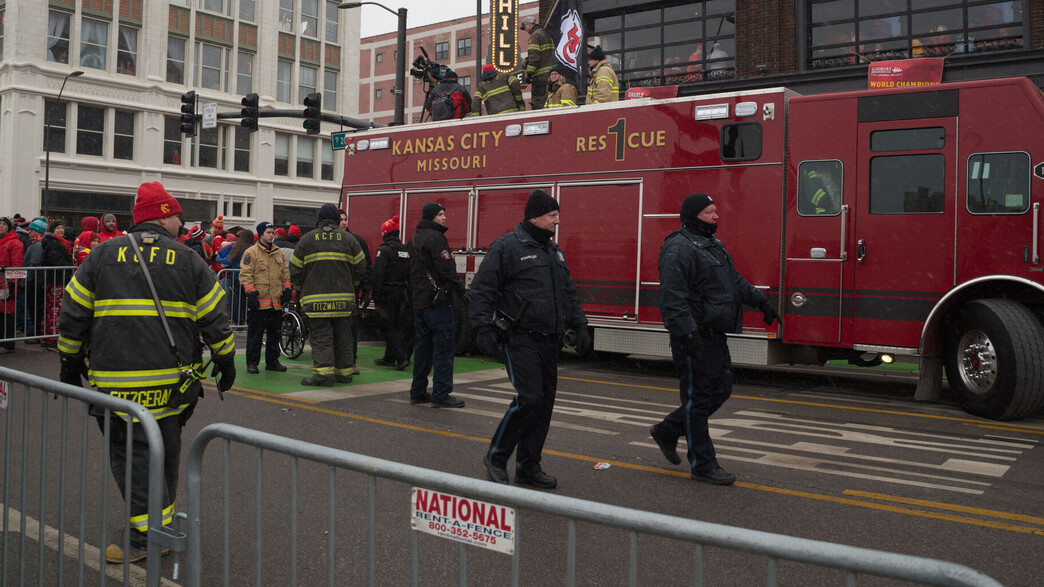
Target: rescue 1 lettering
149, 398
465, 510
646, 139
169, 257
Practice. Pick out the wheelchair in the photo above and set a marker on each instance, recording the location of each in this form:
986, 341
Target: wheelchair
293, 332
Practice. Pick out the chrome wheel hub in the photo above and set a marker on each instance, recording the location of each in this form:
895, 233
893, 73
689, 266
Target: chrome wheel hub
978, 361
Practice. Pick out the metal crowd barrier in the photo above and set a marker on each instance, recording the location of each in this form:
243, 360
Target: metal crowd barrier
237, 309
37, 502
38, 303
775, 547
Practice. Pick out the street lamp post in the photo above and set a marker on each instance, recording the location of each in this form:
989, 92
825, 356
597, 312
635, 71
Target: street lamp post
47, 136
400, 61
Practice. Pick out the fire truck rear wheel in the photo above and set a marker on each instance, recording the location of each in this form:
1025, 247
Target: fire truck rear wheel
995, 359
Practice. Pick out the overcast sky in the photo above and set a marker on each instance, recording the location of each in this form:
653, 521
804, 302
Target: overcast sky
376, 20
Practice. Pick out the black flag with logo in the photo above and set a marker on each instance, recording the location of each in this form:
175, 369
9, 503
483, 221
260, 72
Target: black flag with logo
566, 28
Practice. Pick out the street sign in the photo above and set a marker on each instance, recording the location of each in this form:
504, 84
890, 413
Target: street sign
210, 115
338, 140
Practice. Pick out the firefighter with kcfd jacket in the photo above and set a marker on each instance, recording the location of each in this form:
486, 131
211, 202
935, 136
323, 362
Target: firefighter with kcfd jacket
524, 279
326, 268
110, 318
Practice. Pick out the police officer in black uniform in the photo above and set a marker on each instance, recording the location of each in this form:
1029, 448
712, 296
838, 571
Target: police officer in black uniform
526, 265
391, 274
701, 299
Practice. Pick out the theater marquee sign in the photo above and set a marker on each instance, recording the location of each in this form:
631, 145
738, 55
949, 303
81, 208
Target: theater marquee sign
504, 33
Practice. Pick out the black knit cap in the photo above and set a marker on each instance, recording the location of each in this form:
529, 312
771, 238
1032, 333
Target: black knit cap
597, 54
692, 205
539, 203
431, 210
328, 212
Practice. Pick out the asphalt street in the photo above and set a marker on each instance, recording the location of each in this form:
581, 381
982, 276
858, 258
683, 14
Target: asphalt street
829, 454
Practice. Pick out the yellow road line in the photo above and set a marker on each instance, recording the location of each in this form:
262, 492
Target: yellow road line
277, 399
946, 506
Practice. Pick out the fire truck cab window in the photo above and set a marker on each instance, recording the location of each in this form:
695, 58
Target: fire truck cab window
819, 192
998, 183
741, 141
908, 139
907, 184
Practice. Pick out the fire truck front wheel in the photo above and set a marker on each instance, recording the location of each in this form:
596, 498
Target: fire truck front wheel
995, 359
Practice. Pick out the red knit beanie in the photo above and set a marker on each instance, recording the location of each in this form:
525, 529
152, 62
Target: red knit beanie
218, 223
390, 225
154, 202
488, 68
294, 230
280, 232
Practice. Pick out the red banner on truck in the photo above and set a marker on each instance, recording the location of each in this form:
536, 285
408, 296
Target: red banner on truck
905, 73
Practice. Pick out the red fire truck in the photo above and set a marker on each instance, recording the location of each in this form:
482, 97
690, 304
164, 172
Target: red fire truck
897, 222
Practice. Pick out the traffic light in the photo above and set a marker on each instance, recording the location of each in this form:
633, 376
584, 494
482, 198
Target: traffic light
249, 112
188, 113
313, 106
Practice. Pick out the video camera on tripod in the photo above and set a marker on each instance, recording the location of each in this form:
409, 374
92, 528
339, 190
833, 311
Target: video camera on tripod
430, 72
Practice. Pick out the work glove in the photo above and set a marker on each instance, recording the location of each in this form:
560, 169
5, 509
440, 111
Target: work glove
486, 342
583, 341
287, 295
71, 369
770, 313
526, 80
226, 366
692, 344
253, 301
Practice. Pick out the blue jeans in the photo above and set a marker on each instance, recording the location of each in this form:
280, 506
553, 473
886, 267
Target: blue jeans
434, 343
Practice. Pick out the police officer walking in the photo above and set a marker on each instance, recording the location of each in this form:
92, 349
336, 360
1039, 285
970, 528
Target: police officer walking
433, 283
266, 281
391, 274
109, 316
701, 299
524, 276
326, 268
539, 57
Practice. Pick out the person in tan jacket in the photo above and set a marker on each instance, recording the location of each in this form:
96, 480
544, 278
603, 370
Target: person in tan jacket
602, 84
563, 93
266, 282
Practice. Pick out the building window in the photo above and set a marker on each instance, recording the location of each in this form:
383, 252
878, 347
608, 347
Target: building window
3, 19
211, 69
94, 43
378, 94
127, 51
242, 147
123, 135
839, 35
211, 148
175, 60
999, 183
245, 73
330, 91
58, 37
442, 51
172, 140
306, 83
284, 72
379, 58
333, 16
57, 116
286, 16
328, 162
466, 82
310, 18
220, 6
464, 47
90, 130
282, 154
305, 157
246, 10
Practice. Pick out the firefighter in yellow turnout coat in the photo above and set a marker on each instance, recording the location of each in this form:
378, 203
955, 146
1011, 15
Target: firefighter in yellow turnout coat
109, 318
326, 269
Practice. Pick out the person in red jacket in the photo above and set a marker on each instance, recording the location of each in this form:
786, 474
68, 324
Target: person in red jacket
10, 256
109, 229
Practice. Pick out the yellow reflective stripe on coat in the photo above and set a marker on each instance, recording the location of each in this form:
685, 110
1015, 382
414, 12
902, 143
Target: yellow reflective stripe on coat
141, 523
223, 347
136, 379
69, 346
143, 307
496, 91
206, 304
327, 256
331, 297
80, 294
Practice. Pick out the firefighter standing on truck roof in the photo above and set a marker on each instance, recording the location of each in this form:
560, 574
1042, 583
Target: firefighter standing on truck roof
433, 283
602, 84
499, 92
539, 57
326, 268
701, 299
524, 275
109, 317
563, 93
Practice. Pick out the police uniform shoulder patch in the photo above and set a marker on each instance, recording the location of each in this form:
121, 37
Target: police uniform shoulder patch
561, 257
445, 254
